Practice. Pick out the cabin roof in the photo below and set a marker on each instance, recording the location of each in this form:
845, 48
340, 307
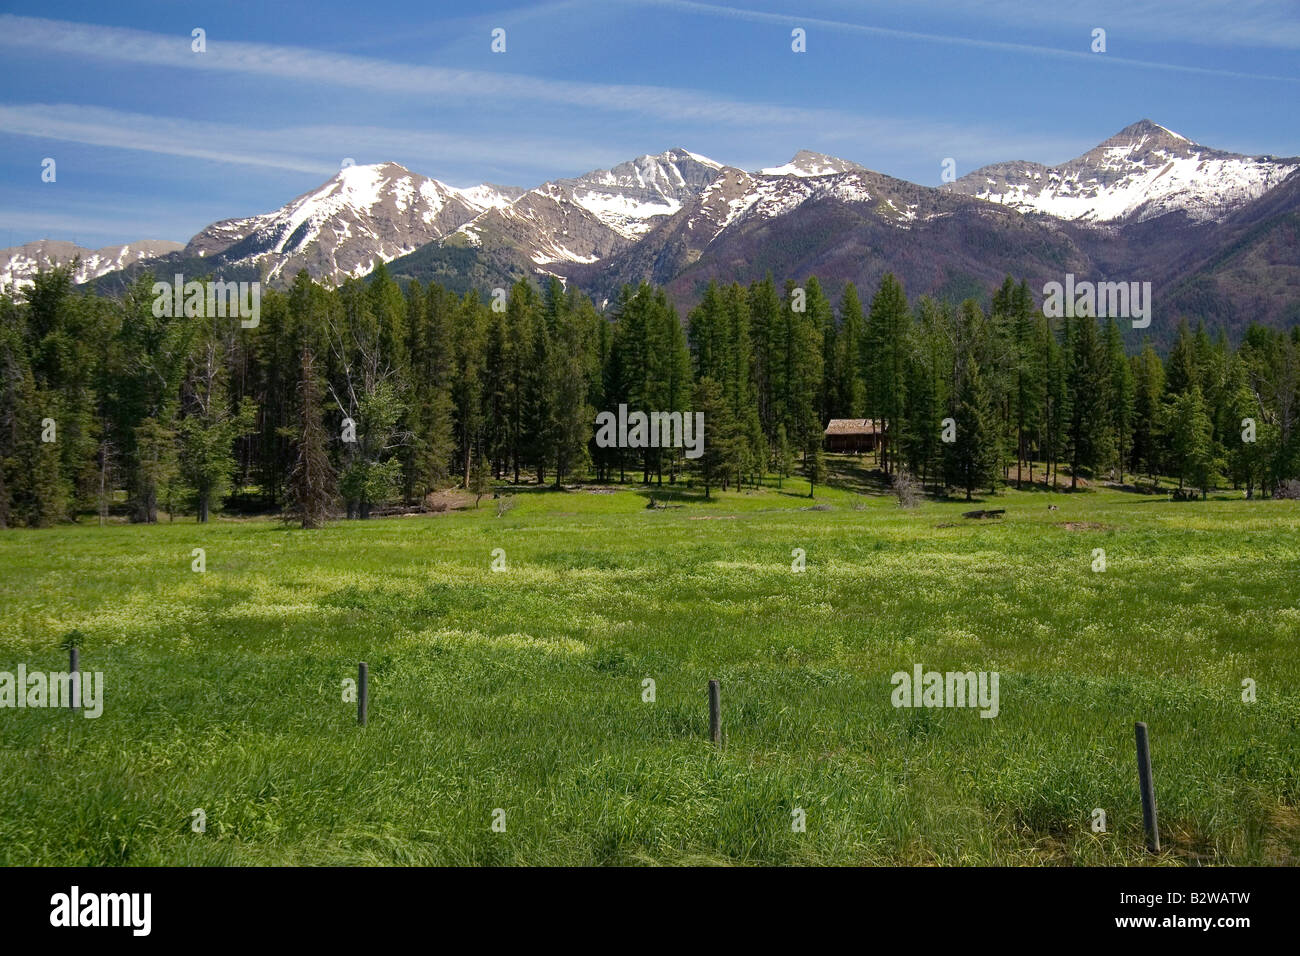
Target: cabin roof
853, 426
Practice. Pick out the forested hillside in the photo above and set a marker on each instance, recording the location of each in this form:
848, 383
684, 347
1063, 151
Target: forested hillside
374, 393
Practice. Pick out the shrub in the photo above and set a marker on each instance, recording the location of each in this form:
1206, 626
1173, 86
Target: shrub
906, 489
1289, 489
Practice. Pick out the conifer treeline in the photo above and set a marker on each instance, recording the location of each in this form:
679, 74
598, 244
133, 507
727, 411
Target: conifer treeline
372, 393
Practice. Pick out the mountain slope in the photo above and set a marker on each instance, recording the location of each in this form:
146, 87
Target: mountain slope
19, 264
362, 216
1249, 268
1140, 173
565, 223
843, 226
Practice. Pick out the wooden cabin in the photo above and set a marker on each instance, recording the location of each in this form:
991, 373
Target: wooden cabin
854, 435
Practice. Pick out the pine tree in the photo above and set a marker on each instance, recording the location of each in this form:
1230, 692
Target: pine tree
1027, 397
885, 361
972, 460
45, 497
1148, 387
149, 353
156, 469
15, 384
1190, 441
850, 388
784, 457
433, 444
1180, 370
480, 482
312, 482
712, 464
769, 329
804, 370
467, 383
1087, 384
1052, 440
1248, 460
571, 416
1120, 398
927, 374
208, 429
814, 468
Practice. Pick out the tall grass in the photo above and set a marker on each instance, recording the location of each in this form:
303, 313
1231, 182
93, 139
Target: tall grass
522, 690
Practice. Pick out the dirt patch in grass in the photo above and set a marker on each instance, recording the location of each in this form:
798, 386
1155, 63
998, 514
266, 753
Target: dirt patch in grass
1283, 841
1280, 841
449, 499
1085, 526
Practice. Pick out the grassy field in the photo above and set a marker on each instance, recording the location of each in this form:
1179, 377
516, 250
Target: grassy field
522, 690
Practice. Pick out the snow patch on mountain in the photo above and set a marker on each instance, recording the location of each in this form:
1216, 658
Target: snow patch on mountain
809, 164
739, 196
489, 196
20, 264
1142, 172
583, 219
362, 216
629, 197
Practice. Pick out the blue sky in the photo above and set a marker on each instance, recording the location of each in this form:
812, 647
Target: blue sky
153, 140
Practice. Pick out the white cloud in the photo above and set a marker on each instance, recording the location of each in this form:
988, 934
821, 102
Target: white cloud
1103, 62
338, 69
104, 127
319, 149
316, 149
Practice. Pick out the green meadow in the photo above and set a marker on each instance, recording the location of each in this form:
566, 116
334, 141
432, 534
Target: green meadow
522, 690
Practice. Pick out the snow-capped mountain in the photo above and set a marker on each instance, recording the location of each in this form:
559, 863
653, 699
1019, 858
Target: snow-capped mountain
808, 163
362, 216
1141, 172
680, 219
583, 220
813, 209
19, 264
736, 196
630, 197
572, 225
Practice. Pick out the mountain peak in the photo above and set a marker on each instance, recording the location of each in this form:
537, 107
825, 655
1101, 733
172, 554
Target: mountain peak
807, 163
362, 215
678, 154
631, 197
1142, 172
1144, 129
355, 168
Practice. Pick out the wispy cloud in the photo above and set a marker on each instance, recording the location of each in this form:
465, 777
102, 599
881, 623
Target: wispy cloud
886, 137
316, 149
366, 73
1101, 62
104, 127
1266, 24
